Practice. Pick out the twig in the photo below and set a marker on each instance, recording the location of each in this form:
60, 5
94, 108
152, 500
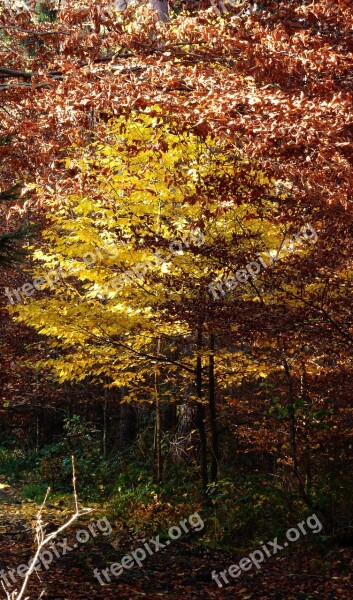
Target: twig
28, 86
31, 32
74, 482
43, 540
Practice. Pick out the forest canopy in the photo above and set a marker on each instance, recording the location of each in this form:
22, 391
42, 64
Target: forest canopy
176, 332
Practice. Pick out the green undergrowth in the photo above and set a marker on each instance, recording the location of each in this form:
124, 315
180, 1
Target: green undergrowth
241, 510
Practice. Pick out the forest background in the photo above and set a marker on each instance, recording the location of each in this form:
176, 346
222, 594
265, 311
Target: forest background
195, 138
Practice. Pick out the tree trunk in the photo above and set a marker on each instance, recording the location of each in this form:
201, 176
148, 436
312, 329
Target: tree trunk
127, 425
170, 421
200, 415
293, 436
105, 424
162, 8
158, 466
213, 414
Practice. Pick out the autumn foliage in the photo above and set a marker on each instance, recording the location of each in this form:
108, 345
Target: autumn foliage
175, 154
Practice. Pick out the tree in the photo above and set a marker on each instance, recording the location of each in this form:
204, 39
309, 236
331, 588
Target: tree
152, 193
270, 84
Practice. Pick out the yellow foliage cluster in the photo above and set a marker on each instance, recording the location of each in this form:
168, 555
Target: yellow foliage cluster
144, 184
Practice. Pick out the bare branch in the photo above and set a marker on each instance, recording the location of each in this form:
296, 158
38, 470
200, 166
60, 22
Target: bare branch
43, 540
31, 32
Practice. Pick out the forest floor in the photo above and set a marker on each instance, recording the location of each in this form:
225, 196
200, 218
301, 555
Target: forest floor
180, 572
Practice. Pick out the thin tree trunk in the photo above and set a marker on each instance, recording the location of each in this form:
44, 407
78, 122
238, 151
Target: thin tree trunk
170, 417
292, 419
306, 440
105, 424
158, 463
200, 415
293, 436
127, 423
162, 8
213, 413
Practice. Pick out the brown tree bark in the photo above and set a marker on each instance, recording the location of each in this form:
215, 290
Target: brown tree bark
162, 8
127, 425
200, 415
213, 413
158, 462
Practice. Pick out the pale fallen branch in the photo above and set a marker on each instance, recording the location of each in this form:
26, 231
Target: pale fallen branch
43, 540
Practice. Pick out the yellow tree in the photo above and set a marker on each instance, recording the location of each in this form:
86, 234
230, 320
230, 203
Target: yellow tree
140, 252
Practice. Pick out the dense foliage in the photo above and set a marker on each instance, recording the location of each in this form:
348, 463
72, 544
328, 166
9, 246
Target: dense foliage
182, 324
